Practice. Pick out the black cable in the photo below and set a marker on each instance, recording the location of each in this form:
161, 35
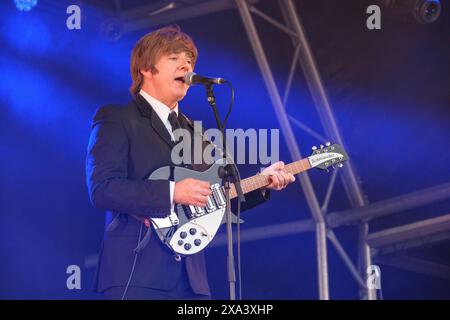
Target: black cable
239, 248
238, 240
222, 129
134, 264
231, 104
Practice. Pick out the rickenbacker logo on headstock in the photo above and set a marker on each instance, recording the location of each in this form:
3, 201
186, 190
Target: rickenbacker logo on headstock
320, 158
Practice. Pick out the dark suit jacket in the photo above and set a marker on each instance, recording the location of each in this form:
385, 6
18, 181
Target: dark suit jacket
127, 143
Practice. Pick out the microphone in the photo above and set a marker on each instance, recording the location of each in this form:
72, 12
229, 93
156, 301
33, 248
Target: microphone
191, 79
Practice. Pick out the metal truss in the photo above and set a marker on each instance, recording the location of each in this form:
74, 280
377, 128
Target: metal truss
370, 245
303, 55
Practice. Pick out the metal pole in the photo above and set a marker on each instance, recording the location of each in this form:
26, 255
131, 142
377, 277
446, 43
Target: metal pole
290, 139
322, 261
389, 206
323, 107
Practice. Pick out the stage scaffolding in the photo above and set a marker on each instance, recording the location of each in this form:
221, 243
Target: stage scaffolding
378, 246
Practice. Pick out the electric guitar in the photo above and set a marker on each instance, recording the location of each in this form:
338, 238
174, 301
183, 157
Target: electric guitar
193, 228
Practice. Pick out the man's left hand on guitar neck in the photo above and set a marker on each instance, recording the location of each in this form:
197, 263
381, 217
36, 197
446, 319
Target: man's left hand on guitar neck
279, 178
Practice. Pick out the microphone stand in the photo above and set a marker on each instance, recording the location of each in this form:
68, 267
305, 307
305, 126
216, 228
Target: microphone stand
227, 171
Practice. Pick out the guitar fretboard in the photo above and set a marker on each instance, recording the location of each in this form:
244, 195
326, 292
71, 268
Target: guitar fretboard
259, 181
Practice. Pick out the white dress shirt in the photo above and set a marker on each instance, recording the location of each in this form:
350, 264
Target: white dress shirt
163, 112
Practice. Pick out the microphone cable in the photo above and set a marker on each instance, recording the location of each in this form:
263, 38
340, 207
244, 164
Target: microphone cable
134, 264
238, 227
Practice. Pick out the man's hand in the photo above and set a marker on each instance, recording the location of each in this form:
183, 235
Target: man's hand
279, 178
191, 192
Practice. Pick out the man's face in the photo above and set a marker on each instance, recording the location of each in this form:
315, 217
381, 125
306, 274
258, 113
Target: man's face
168, 84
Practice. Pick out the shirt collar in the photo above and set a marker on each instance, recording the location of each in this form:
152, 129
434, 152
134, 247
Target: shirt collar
160, 108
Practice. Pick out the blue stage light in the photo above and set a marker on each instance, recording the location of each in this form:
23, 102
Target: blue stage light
25, 5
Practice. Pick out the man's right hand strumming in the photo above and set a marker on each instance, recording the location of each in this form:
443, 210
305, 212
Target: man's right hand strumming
191, 192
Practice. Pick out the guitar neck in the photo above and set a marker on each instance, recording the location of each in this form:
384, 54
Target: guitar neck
261, 181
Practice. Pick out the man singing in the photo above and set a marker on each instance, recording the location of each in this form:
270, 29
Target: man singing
126, 145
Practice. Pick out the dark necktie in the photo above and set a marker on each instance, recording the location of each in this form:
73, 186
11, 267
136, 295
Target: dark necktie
174, 122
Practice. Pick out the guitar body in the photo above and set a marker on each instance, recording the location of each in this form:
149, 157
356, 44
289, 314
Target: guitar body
191, 229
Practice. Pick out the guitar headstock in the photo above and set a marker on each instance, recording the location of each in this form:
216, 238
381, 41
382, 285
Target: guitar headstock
330, 155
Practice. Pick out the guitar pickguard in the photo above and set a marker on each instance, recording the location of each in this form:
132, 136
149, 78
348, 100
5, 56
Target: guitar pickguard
194, 227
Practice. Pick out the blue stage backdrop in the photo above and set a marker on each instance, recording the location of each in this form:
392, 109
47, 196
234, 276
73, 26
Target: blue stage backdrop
390, 92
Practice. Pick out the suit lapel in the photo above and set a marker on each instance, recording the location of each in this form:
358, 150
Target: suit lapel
147, 111
161, 129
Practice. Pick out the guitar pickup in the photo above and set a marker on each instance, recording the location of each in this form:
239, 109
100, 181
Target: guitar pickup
218, 195
192, 211
200, 211
210, 205
195, 211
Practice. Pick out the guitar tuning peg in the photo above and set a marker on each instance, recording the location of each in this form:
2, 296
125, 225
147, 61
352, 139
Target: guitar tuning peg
314, 148
340, 165
328, 144
321, 146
